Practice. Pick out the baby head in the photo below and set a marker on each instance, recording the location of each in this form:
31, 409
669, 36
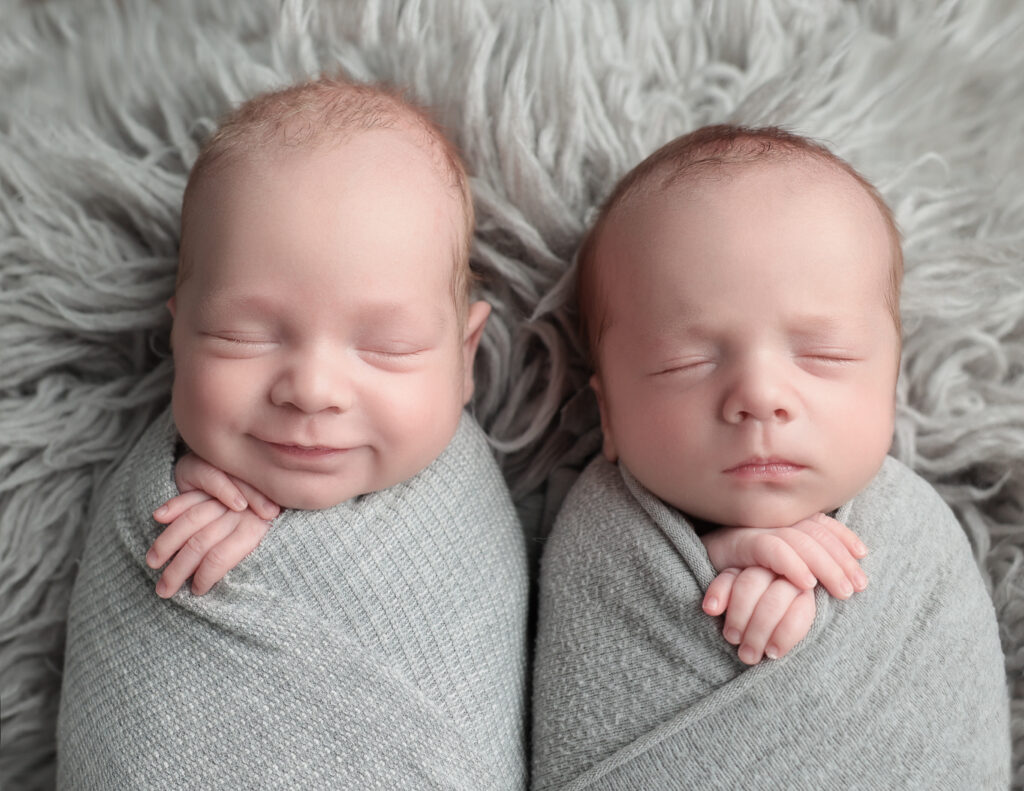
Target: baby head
323, 337
739, 294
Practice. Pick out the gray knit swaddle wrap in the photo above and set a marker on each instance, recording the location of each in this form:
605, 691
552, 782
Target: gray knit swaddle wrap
901, 686
377, 644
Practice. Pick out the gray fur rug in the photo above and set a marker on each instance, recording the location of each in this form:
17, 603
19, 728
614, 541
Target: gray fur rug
104, 102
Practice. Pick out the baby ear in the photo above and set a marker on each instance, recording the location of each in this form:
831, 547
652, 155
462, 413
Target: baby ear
476, 319
608, 446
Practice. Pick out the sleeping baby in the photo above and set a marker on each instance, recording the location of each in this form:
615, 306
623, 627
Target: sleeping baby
323, 341
739, 293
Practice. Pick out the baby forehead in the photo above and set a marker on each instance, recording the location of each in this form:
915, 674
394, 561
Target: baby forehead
792, 174
378, 172
741, 222
386, 154
375, 195
720, 205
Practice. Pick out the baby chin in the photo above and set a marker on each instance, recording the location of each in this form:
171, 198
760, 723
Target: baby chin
760, 509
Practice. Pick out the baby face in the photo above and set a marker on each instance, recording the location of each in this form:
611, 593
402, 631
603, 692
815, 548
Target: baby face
318, 354
747, 372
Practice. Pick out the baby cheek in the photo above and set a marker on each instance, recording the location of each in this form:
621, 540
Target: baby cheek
428, 412
868, 429
212, 390
658, 421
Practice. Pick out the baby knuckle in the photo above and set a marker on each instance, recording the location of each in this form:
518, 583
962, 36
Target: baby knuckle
771, 551
254, 527
195, 544
210, 479
786, 534
750, 580
193, 518
820, 532
780, 594
215, 559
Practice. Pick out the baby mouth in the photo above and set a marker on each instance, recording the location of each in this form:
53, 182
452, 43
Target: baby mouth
305, 451
765, 468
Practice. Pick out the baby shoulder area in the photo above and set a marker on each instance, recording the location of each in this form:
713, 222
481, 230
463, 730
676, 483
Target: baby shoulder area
909, 528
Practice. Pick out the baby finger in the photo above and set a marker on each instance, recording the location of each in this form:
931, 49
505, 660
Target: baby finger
261, 505
771, 609
223, 557
815, 553
192, 472
827, 534
191, 554
716, 600
747, 590
178, 505
849, 539
182, 528
793, 627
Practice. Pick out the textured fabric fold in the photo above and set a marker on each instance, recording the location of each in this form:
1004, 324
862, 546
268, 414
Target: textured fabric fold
901, 686
377, 644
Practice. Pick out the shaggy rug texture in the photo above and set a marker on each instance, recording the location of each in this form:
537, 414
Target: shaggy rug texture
103, 104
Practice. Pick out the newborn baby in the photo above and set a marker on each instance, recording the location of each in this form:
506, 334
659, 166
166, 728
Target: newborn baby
323, 341
740, 298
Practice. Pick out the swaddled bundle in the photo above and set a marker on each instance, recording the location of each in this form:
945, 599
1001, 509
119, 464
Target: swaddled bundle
901, 686
377, 644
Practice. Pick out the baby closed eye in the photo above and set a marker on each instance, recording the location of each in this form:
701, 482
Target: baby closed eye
827, 361
394, 357
685, 366
238, 344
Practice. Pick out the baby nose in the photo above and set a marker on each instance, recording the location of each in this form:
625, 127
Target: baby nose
314, 381
759, 393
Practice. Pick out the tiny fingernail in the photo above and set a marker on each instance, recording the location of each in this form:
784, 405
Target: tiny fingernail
732, 636
160, 511
810, 581
161, 588
711, 603
239, 504
845, 589
151, 559
772, 652
748, 655
860, 549
860, 580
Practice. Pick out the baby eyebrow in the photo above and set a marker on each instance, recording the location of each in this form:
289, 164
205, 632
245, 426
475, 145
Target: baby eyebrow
394, 311
816, 321
680, 326
385, 312
219, 304
824, 327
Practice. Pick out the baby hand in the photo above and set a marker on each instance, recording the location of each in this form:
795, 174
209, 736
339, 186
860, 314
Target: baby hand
192, 473
205, 539
206, 542
818, 549
765, 615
